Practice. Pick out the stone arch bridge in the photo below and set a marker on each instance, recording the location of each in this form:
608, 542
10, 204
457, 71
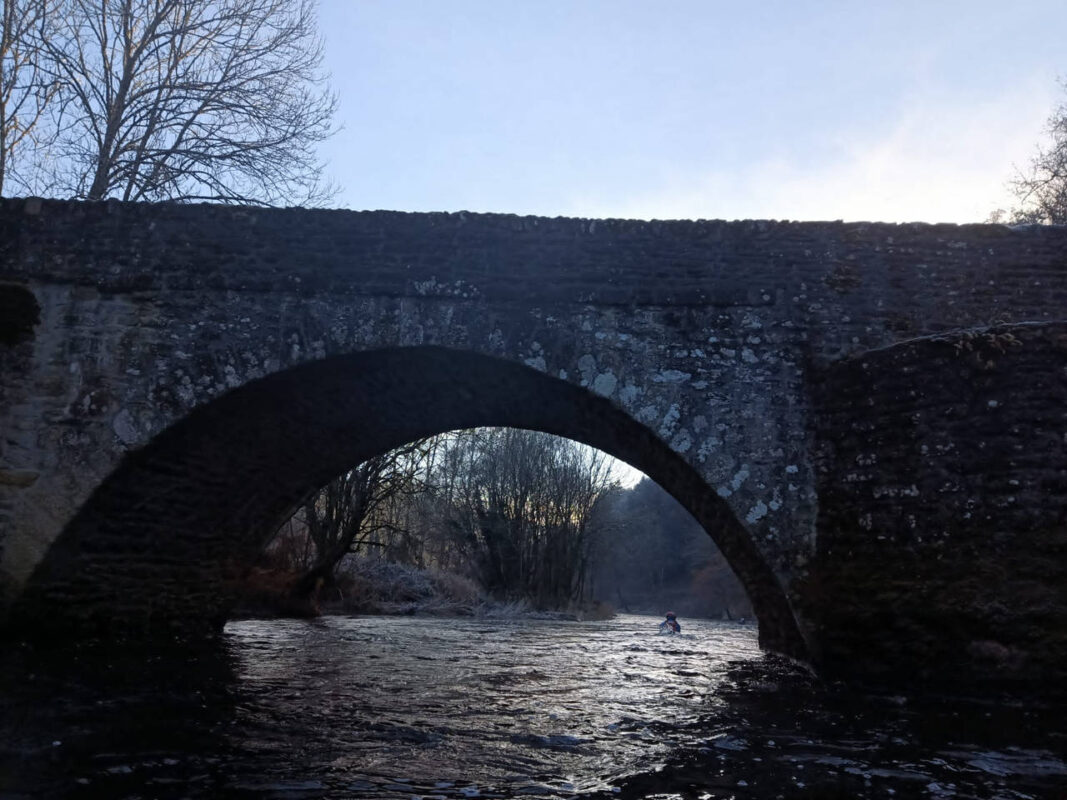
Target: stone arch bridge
869, 419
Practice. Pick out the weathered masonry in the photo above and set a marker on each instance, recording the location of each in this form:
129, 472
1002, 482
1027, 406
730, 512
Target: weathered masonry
870, 419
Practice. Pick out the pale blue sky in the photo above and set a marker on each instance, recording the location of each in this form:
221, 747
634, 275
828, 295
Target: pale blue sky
790, 110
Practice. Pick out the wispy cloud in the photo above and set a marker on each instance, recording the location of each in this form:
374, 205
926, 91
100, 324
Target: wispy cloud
940, 161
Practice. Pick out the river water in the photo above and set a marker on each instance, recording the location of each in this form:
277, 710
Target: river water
404, 707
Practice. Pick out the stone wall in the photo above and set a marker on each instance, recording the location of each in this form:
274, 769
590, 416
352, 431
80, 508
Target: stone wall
942, 480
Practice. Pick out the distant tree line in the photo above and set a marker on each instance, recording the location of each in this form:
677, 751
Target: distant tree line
653, 555
527, 516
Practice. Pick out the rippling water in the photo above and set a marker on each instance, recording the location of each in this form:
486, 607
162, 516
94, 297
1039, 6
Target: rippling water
391, 707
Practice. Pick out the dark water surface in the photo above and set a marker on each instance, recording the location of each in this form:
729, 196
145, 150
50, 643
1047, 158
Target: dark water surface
390, 707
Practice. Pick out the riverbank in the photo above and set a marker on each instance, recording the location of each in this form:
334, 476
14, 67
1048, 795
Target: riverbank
373, 586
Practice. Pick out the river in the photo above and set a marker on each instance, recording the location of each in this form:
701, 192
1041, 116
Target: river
406, 707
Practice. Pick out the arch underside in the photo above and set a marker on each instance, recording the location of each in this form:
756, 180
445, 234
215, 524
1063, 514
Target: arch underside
149, 551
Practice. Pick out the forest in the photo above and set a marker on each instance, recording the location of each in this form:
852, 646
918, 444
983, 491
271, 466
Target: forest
485, 518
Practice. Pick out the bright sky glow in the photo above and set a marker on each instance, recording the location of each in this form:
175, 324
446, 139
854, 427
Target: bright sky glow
910, 110
626, 475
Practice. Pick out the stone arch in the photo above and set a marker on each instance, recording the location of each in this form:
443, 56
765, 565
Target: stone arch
147, 552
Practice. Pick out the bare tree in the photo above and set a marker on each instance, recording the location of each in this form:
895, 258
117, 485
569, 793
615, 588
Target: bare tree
514, 509
359, 509
522, 505
1042, 191
219, 100
25, 90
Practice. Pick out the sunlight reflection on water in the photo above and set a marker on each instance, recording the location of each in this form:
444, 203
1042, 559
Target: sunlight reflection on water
402, 707
492, 702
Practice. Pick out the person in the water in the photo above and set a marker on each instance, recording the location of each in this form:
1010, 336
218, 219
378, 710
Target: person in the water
670, 624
